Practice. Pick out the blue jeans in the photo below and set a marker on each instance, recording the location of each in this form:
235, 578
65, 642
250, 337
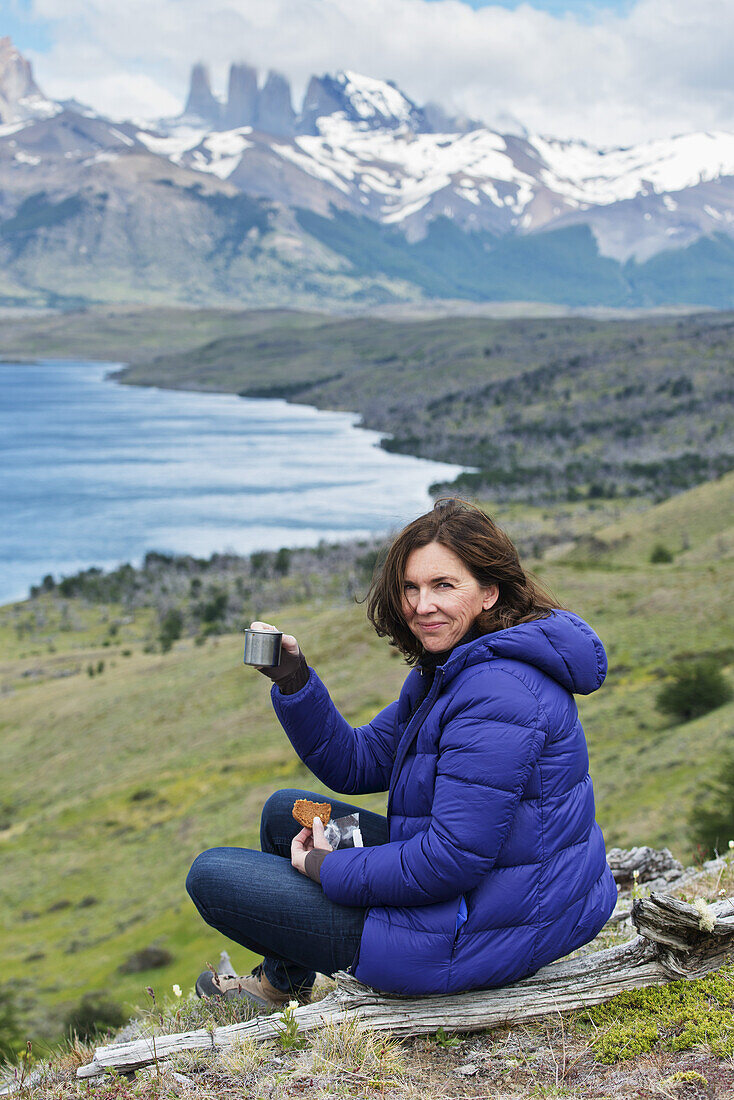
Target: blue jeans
259, 900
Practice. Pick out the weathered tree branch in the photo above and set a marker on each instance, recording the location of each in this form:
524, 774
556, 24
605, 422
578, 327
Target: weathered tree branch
673, 943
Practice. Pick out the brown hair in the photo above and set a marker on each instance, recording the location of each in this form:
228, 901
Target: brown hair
486, 551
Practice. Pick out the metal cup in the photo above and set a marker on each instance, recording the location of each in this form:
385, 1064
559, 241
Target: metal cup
262, 647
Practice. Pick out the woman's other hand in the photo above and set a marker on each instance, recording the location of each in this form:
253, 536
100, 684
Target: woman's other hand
305, 841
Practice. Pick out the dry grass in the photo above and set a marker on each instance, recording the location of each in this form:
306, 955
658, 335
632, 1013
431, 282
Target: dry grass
546, 1059
346, 1047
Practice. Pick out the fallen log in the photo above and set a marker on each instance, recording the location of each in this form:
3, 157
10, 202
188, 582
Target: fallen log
675, 940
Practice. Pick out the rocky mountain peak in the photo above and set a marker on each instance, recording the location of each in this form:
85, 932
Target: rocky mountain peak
241, 107
202, 105
322, 98
275, 114
269, 108
368, 103
20, 96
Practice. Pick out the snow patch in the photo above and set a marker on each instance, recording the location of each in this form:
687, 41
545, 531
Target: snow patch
406, 211
122, 137
12, 128
220, 152
470, 194
39, 106
172, 147
602, 177
101, 158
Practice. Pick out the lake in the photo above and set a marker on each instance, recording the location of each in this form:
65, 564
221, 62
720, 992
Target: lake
96, 473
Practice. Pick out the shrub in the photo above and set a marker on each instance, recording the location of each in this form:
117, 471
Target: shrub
696, 688
10, 1033
171, 627
282, 562
712, 819
143, 794
149, 958
660, 555
367, 564
7, 813
93, 1014
213, 609
259, 563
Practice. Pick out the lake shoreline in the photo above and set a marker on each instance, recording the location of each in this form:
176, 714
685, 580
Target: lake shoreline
261, 474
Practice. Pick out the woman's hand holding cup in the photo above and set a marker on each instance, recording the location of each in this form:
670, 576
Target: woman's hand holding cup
289, 643
290, 654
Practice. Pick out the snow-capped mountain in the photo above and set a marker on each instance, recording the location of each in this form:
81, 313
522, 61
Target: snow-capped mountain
360, 169
360, 145
361, 101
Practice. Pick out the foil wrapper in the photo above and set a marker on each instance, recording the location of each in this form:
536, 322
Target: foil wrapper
344, 832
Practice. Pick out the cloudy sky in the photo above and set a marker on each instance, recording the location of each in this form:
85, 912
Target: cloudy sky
608, 71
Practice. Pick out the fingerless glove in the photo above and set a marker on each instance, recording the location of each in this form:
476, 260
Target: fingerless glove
290, 675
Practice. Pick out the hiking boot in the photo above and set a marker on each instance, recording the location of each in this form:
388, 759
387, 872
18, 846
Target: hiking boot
253, 987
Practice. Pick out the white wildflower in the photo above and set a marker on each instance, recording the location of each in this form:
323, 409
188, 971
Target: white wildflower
731, 844
706, 917
635, 874
178, 992
293, 1004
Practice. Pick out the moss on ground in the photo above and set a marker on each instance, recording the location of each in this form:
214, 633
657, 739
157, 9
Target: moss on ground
676, 1017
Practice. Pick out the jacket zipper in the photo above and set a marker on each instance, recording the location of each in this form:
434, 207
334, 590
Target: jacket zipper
410, 731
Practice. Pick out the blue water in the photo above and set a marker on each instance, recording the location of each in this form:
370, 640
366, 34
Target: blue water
96, 473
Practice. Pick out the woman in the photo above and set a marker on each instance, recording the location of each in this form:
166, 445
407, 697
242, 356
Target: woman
489, 863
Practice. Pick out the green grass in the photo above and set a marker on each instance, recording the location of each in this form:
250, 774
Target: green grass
195, 730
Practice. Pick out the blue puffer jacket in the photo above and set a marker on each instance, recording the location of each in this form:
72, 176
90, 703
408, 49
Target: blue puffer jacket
495, 865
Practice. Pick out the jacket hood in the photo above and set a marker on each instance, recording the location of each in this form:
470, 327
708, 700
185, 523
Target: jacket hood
563, 646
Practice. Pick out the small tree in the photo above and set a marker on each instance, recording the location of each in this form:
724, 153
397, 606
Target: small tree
259, 563
660, 555
712, 818
214, 607
10, 1034
282, 562
170, 629
93, 1014
696, 688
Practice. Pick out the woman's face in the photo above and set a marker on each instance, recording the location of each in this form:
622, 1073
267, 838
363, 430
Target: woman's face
441, 598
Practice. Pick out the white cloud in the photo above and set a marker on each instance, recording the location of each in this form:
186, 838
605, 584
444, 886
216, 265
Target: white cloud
661, 68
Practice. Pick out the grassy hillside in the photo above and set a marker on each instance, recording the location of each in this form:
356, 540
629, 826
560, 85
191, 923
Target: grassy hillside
113, 782
648, 771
